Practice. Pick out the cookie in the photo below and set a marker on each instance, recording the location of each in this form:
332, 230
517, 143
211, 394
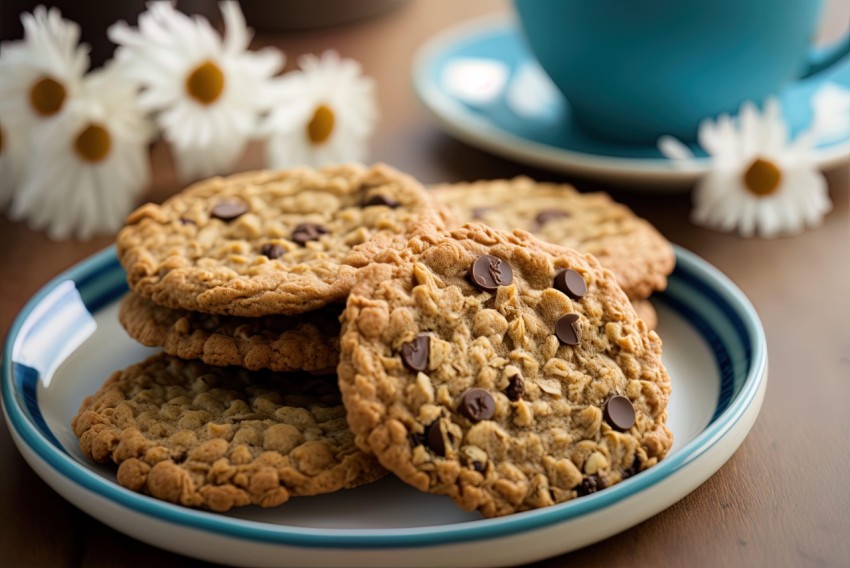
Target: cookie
589, 222
504, 372
309, 342
646, 311
268, 242
216, 438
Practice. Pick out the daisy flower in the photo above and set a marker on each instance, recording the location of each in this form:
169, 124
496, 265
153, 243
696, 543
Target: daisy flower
92, 162
759, 181
12, 159
39, 74
323, 113
208, 91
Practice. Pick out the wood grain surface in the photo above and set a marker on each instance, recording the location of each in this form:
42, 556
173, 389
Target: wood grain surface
782, 500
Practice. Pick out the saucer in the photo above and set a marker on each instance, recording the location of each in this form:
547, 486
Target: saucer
481, 83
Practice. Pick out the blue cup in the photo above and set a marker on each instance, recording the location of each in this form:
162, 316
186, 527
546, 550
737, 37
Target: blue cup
634, 70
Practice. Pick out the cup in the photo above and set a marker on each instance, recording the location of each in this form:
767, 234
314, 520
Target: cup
636, 70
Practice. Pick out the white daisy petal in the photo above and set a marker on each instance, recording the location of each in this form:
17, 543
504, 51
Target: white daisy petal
794, 222
674, 149
816, 202
152, 99
729, 145
727, 215
773, 135
77, 208
29, 201
768, 219
712, 204
748, 118
236, 34
707, 136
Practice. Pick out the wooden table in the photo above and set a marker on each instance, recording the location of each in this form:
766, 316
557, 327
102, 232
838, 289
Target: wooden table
782, 500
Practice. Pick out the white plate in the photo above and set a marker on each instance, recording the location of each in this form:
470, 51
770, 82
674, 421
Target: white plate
67, 340
482, 85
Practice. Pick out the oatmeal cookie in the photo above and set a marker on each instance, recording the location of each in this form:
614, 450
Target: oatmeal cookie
502, 371
268, 242
646, 311
216, 438
589, 222
307, 342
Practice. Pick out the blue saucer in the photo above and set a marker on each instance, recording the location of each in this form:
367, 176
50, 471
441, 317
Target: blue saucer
483, 86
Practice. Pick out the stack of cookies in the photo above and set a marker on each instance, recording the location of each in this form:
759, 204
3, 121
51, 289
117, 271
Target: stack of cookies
320, 327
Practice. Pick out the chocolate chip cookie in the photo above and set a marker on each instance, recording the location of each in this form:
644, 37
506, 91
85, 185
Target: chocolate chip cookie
589, 222
646, 311
502, 371
308, 342
216, 438
265, 243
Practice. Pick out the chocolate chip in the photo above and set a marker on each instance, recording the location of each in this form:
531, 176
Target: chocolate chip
568, 329
488, 272
474, 457
571, 283
414, 354
477, 405
435, 439
549, 215
619, 412
633, 469
416, 439
229, 210
186, 221
590, 484
272, 250
478, 212
305, 232
381, 200
516, 387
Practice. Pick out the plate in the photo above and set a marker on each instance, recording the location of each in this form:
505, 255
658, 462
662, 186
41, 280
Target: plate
67, 340
482, 85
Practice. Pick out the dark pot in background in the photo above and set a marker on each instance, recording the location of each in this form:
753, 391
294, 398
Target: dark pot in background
277, 15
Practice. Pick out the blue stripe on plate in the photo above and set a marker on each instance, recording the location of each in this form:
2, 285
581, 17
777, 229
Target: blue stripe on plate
26, 382
721, 303
101, 288
691, 273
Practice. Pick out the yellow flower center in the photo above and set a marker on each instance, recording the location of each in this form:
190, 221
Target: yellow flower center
205, 83
321, 125
762, 177
46, 96
93, 143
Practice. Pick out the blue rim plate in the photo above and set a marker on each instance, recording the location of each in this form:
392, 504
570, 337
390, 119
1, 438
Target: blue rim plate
548, 137
714, 339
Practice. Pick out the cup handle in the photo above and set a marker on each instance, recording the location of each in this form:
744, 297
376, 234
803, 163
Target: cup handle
821, 59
